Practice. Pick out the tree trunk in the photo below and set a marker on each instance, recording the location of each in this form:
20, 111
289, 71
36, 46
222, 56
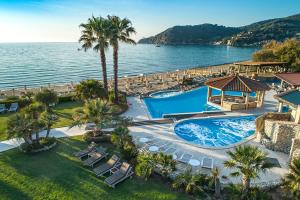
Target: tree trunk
217, 188
104, 71
27, 140
48, 131
246, 184
37, 137
115, 56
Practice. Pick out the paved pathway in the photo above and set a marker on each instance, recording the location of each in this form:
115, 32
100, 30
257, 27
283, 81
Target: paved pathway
56, 132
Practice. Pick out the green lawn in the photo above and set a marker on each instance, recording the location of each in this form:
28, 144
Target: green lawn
64, 111
57, 175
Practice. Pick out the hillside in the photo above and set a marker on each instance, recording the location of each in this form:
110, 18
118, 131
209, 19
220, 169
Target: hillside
254, 34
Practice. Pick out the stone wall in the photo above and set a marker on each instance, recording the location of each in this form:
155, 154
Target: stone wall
281, 134
295, 149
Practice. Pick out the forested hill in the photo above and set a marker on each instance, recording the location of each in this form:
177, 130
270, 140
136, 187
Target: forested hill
254, 34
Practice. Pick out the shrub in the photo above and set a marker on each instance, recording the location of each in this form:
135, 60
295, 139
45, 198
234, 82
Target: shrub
47, 141
122, 97
66, 98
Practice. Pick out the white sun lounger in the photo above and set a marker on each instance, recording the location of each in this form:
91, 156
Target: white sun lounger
207, 163
13, 107
185, 158
2, 108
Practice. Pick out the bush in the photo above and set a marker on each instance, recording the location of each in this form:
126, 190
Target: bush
21, 101
66, 98
122, 97
90, 137
47, 141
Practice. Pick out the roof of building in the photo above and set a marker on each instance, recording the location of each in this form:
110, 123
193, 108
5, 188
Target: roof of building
260, 63
236, 83
291, 97
291, 78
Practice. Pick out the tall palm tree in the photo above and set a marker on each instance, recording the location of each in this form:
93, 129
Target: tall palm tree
248, 161
292, 179
120, 31
94, 35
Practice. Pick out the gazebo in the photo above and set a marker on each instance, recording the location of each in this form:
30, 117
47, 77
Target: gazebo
290, 98
290, 79
259, 66
236, 92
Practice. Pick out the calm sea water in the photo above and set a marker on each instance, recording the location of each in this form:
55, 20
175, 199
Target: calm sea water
36, 64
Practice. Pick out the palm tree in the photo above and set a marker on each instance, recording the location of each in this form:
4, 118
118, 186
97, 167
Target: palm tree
216, 181
146, 165
49, 118
166, 163
120, 137
248, 161
95, 35
120, 31
90, 89
95, 111
191, 183
292, 179
47, 98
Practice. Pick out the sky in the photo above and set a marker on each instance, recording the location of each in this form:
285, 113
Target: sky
58, 20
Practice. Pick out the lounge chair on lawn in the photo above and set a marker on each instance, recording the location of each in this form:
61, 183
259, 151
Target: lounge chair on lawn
2, 108
93, 158
207, 163
82, 153
185, 158
13, 107
120, 175
105, 167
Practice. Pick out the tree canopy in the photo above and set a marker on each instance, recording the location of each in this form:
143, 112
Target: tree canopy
287, 51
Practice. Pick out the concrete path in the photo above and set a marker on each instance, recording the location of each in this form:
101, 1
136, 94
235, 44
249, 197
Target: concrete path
56, 132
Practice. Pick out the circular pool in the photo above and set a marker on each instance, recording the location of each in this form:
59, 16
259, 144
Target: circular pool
216, 132
165, 93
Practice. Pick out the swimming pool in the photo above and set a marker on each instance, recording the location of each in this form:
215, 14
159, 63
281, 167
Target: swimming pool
216, 132
166, 93
185, 102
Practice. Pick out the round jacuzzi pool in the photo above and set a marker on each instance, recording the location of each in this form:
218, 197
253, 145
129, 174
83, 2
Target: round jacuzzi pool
216, 132
165, 94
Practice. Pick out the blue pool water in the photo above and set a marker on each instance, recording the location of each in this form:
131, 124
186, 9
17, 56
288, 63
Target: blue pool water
164, 94
186, 102
216, 132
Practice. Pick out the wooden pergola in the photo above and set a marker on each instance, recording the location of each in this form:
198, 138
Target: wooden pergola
258, 66
236, 83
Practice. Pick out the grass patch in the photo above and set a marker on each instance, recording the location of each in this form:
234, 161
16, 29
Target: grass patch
55, 174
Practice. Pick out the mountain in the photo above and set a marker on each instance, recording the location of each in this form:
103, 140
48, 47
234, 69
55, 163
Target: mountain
255, 34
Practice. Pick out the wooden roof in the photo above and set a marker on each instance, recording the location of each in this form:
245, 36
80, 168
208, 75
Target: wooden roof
291, 78
236, 83
260, 64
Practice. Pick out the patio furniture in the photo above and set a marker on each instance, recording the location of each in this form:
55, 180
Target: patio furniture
170, 151
120, 175
194, 162
207, 163
82, 153
13, 107
105, 167
2, 108
185, 158
93, 158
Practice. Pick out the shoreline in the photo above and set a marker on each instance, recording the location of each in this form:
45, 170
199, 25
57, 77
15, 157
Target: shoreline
142, 83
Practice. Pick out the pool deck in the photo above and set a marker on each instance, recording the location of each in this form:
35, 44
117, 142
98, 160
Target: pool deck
164, 132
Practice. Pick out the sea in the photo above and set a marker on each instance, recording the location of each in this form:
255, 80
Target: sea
40, 64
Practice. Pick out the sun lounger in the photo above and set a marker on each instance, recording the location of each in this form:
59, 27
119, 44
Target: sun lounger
93, 158
105, 167
185, 158
120, 175
207, 163
84, 152
2, 108
170, 151
177, 155
13, 107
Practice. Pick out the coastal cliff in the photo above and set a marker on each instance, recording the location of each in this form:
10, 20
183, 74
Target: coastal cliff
255, 34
